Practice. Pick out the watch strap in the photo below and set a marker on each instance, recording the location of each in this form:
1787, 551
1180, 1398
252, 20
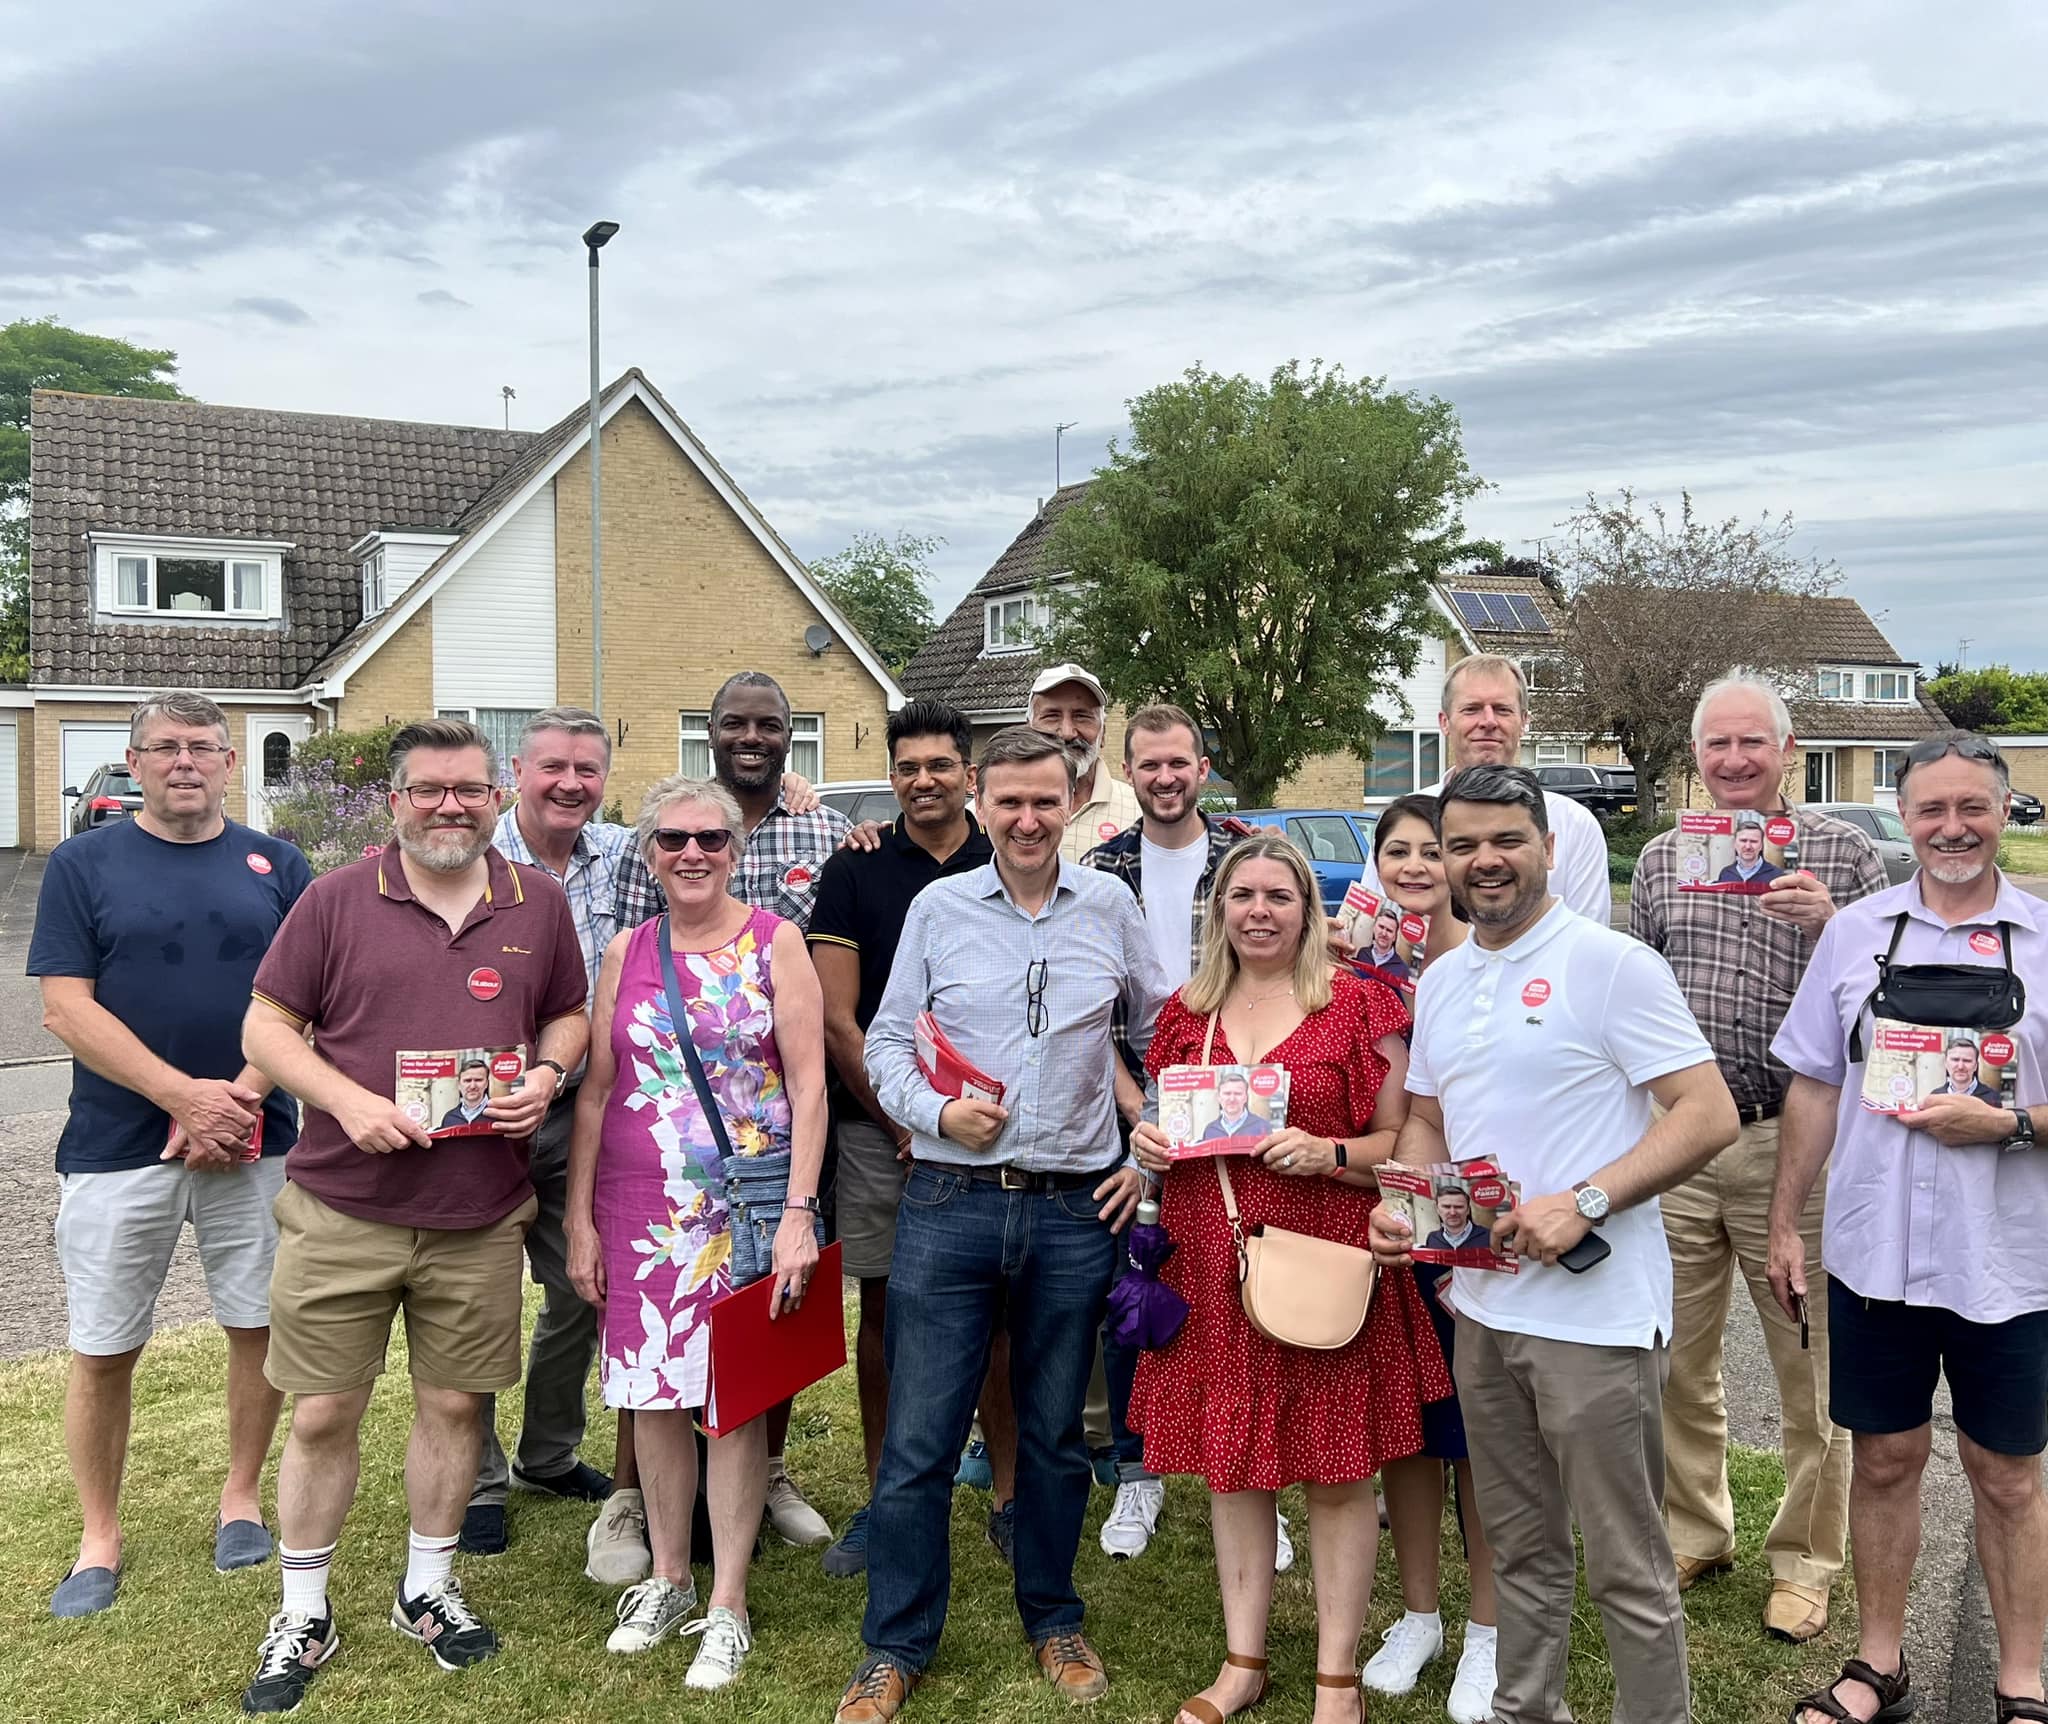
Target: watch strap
1343, 1155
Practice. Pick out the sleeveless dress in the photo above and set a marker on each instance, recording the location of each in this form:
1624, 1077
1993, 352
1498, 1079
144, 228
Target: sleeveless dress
659, 1203
1244, 1412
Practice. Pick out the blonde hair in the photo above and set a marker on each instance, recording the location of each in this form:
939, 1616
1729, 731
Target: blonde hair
1216, 969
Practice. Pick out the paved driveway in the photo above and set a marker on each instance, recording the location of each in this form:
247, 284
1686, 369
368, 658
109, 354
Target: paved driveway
22, 1036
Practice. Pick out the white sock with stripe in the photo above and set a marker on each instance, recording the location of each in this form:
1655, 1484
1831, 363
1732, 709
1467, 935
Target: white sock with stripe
428, 1561
305, 1579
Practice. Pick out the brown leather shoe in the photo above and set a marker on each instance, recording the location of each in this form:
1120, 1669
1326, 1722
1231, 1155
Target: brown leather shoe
1072, 1666
1693, 1569
1794, 1612
875, 1695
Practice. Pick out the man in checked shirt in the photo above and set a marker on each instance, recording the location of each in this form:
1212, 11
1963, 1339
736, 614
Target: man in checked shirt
1739, 961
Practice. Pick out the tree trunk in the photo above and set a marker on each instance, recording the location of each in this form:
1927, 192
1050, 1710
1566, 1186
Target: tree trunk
1646, 787
1254, 787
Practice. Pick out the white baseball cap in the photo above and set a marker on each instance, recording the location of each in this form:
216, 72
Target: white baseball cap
1054, 675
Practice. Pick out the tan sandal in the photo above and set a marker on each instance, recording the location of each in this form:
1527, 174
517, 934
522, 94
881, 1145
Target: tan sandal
1204, 1711
1344, 1679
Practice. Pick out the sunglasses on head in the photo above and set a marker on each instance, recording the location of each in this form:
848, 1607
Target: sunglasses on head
710, 842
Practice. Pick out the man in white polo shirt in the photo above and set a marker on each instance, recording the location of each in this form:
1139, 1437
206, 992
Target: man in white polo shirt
1542, 1042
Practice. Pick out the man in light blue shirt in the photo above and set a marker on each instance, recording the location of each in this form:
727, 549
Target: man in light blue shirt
1009, 1213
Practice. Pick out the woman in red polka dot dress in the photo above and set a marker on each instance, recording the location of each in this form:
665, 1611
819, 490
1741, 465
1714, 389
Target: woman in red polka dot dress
1248, 1414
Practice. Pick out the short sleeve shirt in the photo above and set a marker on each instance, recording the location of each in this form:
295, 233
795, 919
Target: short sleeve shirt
170, 936
785, 858
372, 972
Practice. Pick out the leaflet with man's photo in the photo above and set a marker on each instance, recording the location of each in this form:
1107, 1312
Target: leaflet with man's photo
1220, 1110
1910, 1063
448, 1090
1738, 853
1387, 941
1450, 1207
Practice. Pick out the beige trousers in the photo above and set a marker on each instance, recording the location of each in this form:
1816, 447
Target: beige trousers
1718, 1222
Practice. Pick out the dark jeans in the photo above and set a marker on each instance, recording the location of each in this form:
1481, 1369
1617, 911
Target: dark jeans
967, 1254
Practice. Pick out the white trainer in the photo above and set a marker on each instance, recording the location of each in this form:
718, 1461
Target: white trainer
794, 1520
1283, 1549
724, 1648
1404, 1649
616, 1544
1472, 1689
1133, 1518
649, 1613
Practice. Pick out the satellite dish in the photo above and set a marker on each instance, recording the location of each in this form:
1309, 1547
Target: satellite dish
817, 637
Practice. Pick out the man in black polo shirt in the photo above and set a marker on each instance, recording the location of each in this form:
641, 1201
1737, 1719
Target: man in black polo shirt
863, 896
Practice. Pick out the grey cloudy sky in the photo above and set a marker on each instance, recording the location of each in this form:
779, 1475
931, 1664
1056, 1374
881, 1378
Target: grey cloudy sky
1794, 256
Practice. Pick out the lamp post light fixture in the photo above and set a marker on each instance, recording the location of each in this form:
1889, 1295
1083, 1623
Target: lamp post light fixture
594, 237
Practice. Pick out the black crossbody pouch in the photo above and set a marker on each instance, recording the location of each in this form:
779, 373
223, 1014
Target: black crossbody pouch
1947, 996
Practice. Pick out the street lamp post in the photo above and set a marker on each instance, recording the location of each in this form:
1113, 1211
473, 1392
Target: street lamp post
595, 237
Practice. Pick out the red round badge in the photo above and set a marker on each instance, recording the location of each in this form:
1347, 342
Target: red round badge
1984, 942
1489, 1194
258, 863
1997, 1050
1107, 830
485, 984
1780, 831
797, 878
1265, 1083
506, 1067
1536, 992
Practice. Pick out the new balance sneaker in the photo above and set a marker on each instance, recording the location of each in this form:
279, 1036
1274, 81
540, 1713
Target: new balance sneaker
723, 1650
1132, 1518
293, 1651
1283, 1546
1404, 1649
441, 1620
849, 1555
974, 1470
1002, 1532
1472, 1688
649, 1613
794, 1520
616, 1545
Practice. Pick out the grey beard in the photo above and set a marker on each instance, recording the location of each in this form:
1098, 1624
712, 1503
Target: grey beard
420, 847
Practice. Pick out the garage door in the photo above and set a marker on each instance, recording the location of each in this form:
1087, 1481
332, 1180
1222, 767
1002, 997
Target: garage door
10, 785
84, 747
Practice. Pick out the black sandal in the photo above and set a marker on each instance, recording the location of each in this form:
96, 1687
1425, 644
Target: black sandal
1893, 1700
2008, 1707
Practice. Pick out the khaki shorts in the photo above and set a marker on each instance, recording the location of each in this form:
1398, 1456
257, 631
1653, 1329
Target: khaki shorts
870, 1186
338, 1279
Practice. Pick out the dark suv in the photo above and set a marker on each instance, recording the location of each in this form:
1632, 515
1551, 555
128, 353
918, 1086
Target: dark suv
109, 794
1603, 789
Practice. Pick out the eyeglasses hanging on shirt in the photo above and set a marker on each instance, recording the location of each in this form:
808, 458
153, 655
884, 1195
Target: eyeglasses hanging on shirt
1034, 996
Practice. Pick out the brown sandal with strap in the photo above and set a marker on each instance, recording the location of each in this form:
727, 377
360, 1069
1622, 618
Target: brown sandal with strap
2008, 1707
1894, 1702
1205, 1710
1344, 1679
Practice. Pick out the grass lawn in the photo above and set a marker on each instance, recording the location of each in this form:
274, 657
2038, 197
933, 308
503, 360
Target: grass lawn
181, 1642
2025, 853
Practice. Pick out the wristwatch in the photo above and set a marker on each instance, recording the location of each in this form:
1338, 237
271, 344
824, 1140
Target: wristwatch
2023, 1132
1592, 1201
561, 1076
810, 1203
1342, 1154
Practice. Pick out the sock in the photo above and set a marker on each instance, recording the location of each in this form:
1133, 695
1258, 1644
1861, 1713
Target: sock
427, 1561
305, 1579
1433, 1618
1478, 1633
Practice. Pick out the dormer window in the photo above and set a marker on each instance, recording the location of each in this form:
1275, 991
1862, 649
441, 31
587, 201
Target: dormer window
1888, 685
1010, 625
190, 579
374, 595
390, 559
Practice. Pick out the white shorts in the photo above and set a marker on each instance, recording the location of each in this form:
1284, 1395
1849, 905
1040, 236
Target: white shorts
116, 1233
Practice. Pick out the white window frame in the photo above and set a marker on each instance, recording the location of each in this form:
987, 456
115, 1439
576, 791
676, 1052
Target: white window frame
1903, 680
994, 636
111, 549
1418, 775
1845, 683
1537, 683
806, 745
469, 714
1880, 778
374, 596
1554, 751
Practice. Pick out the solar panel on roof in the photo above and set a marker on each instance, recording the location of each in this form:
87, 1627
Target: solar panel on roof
1499, 612
1527, 615
1472, 609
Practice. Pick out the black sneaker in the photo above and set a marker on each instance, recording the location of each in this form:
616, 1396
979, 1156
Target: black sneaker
441, 1620
483, 1530
293, 1651
1002, 1532
580, 1483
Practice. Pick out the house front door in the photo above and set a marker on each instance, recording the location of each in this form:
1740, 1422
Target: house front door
272, 737
1820, 775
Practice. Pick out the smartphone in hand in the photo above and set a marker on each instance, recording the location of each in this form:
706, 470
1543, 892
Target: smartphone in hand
1590, 1250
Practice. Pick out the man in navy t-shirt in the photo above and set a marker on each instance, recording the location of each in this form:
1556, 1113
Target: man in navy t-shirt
148, 933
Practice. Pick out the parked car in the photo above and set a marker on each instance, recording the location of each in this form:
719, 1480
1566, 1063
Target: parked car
2026, 809
1602, 789
109, 794
862, 799
1883, 828
1337, 842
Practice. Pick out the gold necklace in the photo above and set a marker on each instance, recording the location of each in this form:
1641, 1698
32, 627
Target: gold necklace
1262, 999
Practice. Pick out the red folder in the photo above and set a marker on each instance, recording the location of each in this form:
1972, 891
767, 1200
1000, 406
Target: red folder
757, 1364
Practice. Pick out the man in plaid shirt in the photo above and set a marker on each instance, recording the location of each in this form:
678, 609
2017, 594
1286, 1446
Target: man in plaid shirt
1739, 961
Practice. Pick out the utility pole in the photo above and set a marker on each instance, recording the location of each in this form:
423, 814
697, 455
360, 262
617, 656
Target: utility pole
1963, 652
1059, 431
595, 237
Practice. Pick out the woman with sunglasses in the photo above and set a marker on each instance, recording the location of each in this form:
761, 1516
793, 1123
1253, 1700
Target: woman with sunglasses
664, 1216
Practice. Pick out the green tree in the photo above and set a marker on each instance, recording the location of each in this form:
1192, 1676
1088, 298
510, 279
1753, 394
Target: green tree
1262, 554
46, 355
881, 586
1995, 698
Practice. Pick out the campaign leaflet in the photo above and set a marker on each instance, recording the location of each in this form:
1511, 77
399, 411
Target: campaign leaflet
1220, 1110
1388, 942
1738, 853
948, 1070
446, 1090
1908, 1063
1450, 1205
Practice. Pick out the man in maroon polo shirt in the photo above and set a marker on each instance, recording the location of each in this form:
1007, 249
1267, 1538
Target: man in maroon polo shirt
402, 968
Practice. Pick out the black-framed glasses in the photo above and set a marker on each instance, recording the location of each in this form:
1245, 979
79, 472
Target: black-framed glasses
710, 841
425, 796
915, 769
201, 752
1035, 975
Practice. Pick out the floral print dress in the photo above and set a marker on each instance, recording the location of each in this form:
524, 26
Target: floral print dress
659, 1203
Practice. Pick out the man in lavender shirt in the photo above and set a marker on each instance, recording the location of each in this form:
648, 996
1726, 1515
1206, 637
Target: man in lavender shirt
1934, 1241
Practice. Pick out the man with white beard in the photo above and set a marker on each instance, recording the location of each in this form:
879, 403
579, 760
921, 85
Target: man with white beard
1068, 702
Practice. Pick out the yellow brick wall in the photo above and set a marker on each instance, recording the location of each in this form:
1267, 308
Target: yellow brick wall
2029, 770
690, 596
1335, 780
25, 773
397, 682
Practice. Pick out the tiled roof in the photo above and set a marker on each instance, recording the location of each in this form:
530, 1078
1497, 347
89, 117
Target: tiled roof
1840, 632
1823, 721
116, 465
1510, 643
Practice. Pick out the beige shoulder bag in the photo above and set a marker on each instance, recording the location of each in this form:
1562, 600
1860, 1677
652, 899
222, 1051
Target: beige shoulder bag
1297, 1289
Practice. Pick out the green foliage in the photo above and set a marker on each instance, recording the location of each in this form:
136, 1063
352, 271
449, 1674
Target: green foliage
880, 584
1262, 554
1626, 836
1996, 698
46, 355
351, 757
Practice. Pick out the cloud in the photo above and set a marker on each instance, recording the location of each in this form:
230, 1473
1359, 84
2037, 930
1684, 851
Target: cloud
276, 310
441, 299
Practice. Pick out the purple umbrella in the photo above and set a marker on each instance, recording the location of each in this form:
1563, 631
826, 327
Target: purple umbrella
1143, 1310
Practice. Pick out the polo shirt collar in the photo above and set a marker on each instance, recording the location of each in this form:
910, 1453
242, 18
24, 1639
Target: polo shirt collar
905, 845
501, 879
2011, 905
1548, 926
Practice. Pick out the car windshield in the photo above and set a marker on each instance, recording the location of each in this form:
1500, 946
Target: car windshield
118, 783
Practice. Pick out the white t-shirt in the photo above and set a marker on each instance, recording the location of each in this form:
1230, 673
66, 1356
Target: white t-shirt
1170, 877
1539, 1055
1578, 873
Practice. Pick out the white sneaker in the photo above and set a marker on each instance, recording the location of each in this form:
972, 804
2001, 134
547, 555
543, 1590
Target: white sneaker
1472, 1689
1404, 1650
617, 1541
725, 1648
649, 1613
1132, 1518
1283, 1550
794, 1520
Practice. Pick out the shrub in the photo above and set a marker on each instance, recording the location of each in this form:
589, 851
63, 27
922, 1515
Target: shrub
331, 820
1626, 836
351, 757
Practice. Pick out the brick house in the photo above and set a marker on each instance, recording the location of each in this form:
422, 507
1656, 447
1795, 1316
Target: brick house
310, 571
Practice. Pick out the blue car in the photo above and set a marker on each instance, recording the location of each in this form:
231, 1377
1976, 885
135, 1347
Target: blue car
1337, 842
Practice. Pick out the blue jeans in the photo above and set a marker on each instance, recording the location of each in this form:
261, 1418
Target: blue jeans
966, 1252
